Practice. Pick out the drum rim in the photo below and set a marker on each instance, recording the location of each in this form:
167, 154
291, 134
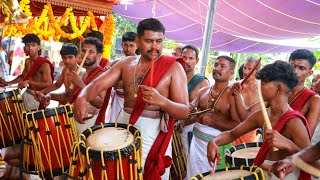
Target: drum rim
37, 114
249, 177
110, 155
240, 161
8, 94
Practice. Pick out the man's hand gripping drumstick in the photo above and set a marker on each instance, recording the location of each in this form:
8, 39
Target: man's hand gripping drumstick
81, 65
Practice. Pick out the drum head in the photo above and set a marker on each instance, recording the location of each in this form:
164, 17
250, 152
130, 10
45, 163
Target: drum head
227, 175
249, 153
110, 139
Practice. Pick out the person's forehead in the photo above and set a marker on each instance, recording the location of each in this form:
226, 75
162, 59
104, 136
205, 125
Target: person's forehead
189, 52
303, 62
128, 42
154, 34
89, 47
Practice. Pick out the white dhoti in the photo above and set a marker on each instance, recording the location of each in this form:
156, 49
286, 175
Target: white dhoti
185, 138
294, 175
197, 158
149, 126
30, 103
117, 101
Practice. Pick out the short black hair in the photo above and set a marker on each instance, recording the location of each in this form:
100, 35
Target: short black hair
31, 38
303, 54
129, 36
232, 62
279, 71
69, 48
94, 41
195, 49
96, 34
149, 24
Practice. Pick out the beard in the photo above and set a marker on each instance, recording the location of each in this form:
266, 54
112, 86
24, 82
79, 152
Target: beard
89, 63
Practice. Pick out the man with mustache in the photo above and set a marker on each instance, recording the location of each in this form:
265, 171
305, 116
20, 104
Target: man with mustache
37, 75
195, 83
301, 98
246, 98
97, 105
145, 95
219, 116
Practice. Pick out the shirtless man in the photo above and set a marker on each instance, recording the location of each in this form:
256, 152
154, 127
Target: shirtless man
94, 48
143, 102
69, 54
117, 96
221, 115
195, 83
38, 74
246, 98
290, 132
301, 98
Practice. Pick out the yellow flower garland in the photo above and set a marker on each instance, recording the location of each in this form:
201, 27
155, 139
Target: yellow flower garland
49, 27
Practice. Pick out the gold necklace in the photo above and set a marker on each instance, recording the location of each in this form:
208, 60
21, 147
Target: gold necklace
295, 97
214, 99
136, 88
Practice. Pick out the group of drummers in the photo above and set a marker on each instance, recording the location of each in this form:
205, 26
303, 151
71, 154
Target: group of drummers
162, 114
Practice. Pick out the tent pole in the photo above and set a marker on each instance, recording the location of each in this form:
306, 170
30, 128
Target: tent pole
207, 36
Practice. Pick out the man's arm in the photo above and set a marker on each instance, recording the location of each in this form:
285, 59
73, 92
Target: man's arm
251, 123
56, 85
313, 113
62, 97
91, 91
177, 106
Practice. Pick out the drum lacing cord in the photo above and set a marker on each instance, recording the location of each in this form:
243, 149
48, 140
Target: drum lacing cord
38, 141
50, 140
119, 169
60, 133
76, 153
72, 123
18, 109
133, 160
184, 156
10, 118
175, 149
89, 162
1, 128
194, 178
104, 169
255, 172
139, 156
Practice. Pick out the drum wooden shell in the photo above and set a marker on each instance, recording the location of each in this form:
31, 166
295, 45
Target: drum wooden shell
256, 173
11, 122
53, 133
107, 163
234, 161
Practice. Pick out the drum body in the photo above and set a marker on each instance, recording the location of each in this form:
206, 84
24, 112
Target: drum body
242, 154
234, 173
91, 160
11, 122
52, 132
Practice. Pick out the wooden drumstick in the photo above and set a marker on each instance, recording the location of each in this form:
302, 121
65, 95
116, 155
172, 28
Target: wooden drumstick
297, 161
264, 111
81, 65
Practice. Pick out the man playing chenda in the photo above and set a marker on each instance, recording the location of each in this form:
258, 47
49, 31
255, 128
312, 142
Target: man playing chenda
145, 94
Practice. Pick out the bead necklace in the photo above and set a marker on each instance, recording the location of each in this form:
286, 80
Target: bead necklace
214, 99
136, 88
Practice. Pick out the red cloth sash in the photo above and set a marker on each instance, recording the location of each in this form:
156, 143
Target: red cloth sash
103, 62
262, 154
156, 161
302, 99
91, 75
36, 65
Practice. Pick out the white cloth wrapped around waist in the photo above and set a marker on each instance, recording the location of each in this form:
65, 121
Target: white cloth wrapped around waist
149, 126
30, 103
